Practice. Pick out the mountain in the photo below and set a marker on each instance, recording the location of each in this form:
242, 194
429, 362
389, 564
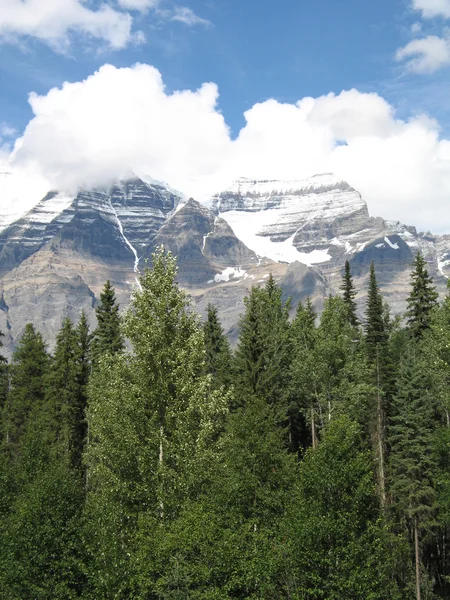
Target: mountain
55, 259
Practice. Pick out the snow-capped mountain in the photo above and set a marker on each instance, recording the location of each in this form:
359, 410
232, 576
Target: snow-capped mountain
55, 258
292, 220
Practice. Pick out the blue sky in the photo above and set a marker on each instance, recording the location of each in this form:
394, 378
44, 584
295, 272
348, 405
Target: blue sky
253, 50
279, 106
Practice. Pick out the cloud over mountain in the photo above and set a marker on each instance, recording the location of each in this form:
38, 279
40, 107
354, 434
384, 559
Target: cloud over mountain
122, 119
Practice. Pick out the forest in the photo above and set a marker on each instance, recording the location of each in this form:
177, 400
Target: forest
149, 460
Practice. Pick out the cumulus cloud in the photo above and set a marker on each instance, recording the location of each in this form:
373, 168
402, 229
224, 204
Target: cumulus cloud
53, 21
426, 55
432, 8
121, 120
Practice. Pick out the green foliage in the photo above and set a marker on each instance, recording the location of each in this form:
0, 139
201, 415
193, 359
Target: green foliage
422, 299
349, 294
264, 352
107, 337
338, 543
411, 430
153, 420
375, 320
29, 367
218, 352
138, 482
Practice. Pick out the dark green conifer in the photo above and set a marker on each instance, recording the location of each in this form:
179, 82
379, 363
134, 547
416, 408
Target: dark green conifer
349, 294
218, 353
263, 356
107, 337
375, 322
63, 393
412, 462
422, 299
377, 338
30, 364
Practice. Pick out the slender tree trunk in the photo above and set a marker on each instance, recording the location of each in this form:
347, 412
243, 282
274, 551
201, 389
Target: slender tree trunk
313, 427
161, 462
380, 439
417, 558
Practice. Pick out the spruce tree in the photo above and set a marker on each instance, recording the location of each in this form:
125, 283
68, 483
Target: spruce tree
218, 353
84, 340
412, 462
349, 294
63, 393
375, 322
107, 337
30, 364
422, 299
264, 353
376, 338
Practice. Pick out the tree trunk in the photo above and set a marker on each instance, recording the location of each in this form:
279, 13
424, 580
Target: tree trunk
417, 559
380, 439
313, 428
161, 462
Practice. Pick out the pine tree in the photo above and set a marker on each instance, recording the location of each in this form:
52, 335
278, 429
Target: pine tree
412, 463
107, 337
153, 420
30, 364
64, 394
84, 340
375, 322
218, 353
264, 352
376, 338
422, 299
349, 294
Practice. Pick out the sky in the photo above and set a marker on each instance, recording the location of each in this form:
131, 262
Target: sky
202, 92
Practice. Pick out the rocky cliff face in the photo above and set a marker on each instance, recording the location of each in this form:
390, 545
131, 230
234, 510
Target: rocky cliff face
55, 259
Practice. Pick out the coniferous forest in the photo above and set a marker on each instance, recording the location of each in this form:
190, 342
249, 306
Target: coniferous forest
147, 460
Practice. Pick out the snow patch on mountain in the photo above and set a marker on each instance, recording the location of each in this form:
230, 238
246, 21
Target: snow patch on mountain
248, 227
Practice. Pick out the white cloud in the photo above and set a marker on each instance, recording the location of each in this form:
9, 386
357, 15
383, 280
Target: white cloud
425, 55
118, 120
52, 21
141, 5
185, 15
432, 8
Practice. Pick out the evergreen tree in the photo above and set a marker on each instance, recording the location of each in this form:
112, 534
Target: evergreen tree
264, 352
107, 337
349, 294
412, 463
218, 353
29, 367
153, 421
375, 319
377, 338
84, 339
422, 299
337, 543
305, 377
64, 394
